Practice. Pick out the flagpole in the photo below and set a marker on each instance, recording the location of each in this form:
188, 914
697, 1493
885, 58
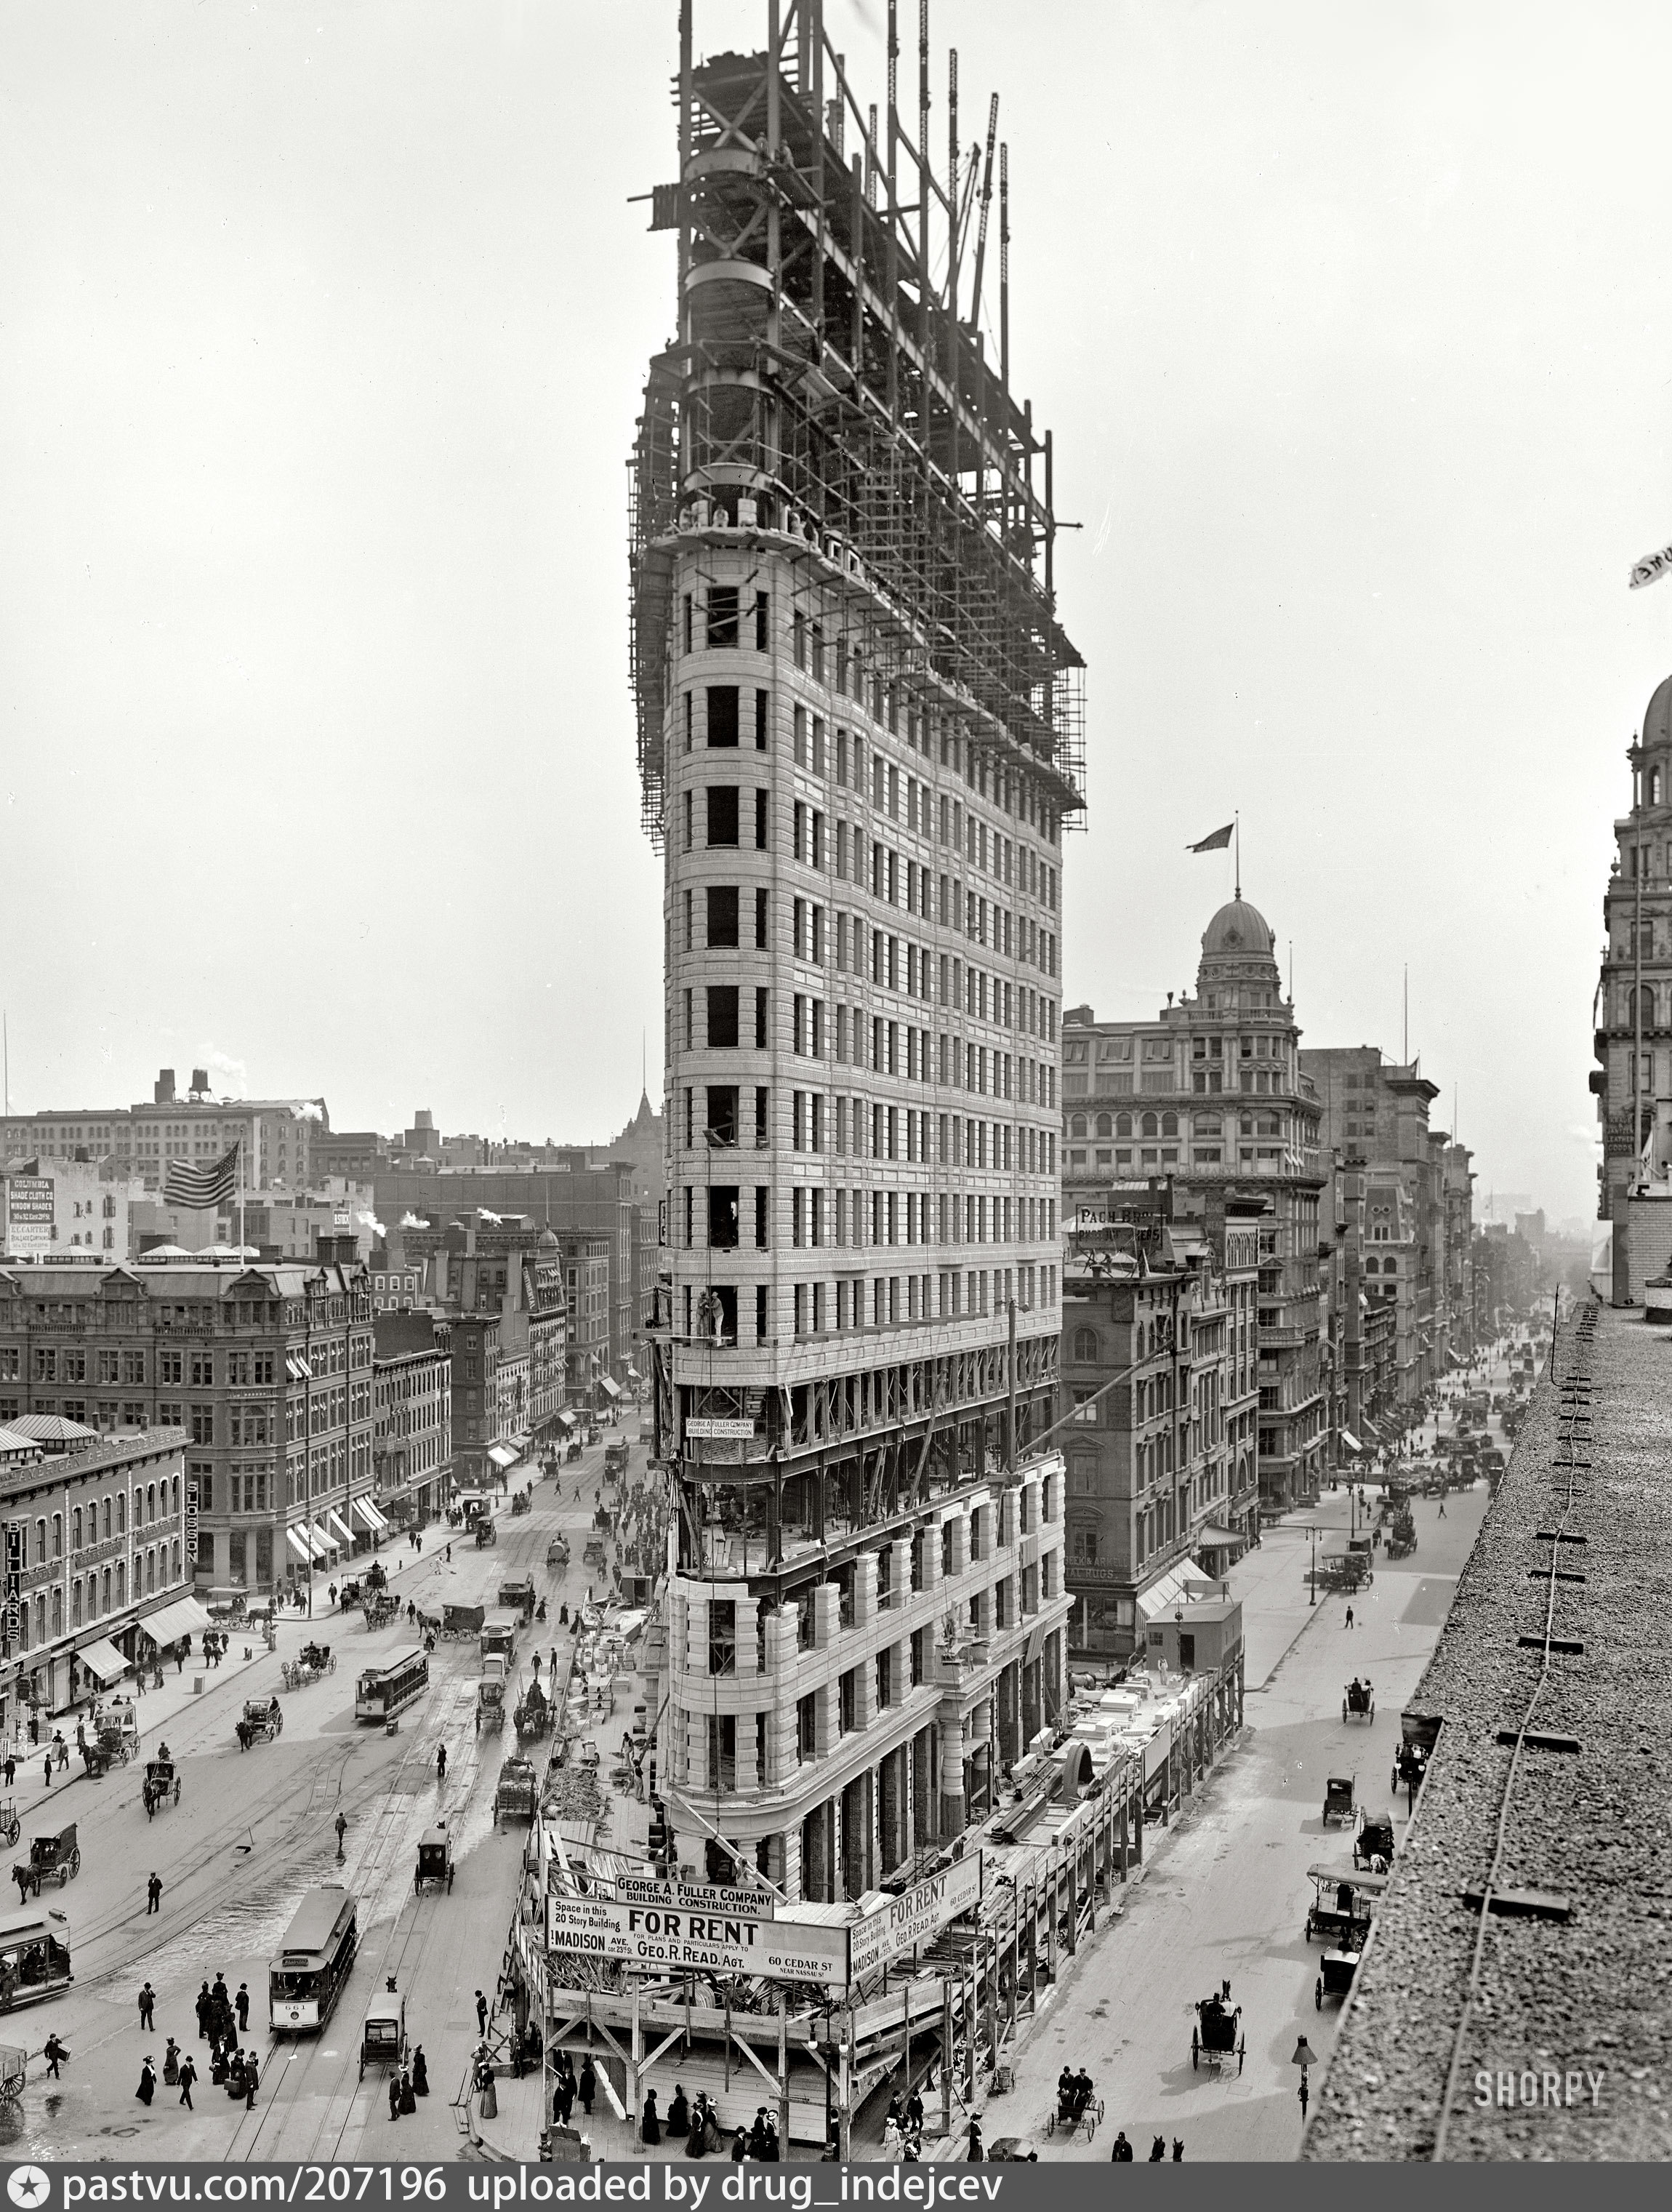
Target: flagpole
1236, 820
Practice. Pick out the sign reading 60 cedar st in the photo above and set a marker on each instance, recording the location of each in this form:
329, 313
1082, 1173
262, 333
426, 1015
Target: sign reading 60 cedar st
699, 1941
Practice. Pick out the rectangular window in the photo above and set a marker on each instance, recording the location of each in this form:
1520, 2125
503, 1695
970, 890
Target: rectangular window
760, 1020
722, 814
722, 616
762, 625
722, 915
759, 822
722, 714
722, 1015
760, 920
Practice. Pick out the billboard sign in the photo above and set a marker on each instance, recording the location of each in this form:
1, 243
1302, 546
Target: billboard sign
672, 1939
29, 1213
694, 1896
915, 1917
708, 1427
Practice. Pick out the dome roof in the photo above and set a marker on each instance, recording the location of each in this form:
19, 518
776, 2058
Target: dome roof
1658, 716
548, 1241
1240, 931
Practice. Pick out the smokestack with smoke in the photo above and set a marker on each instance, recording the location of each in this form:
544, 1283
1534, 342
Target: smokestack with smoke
307, 1111
412, 1221
371, 1221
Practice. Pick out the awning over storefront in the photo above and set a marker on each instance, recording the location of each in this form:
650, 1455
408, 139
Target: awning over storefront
502, 1455
564, 1423
298, 1543
1213, 1538
610, 1388
1162, 1596
102, 1661
369, 1515
339, 1524
634, 1375
1350, 1441
170, 1623
322, 1545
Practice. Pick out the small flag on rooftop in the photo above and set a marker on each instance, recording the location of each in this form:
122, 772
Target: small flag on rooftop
1216, 843
186, 1185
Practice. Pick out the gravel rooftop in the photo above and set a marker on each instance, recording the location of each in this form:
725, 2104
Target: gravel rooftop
1591, 1995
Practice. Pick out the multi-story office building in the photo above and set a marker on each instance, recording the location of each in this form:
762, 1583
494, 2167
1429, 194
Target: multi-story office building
412, 1447
859, 737
1210, 1095
276, 1135
267, 1368
475, 1395
1159, 1357
1375, 1113
509, 1267
586, 1278
97, 1535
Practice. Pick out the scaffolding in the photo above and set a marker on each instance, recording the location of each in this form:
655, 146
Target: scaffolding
830, 391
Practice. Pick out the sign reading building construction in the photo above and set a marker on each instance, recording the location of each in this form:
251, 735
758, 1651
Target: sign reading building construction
709, 1427
28, 1213
913, 1917
693, 1896
698, 1942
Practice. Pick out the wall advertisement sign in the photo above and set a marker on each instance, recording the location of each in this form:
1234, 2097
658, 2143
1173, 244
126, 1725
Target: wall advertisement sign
915, 1917
28, 1213
673, 1940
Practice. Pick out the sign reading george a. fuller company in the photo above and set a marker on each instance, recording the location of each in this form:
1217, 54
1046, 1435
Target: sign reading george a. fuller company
915, 1915
693, 1896
704, 1942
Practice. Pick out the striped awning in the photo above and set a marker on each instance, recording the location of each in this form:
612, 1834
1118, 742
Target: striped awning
170, 1623
101, 1659
369, 1515
502, 1455
339, 1524
298, 1543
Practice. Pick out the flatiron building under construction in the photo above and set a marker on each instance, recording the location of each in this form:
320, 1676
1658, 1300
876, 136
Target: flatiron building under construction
860, 737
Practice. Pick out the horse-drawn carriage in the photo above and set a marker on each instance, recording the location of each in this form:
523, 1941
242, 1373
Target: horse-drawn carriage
162, 1785
516, 1796
1335, 1976
1372, 1846
533, 1715
51, 1859
1358, 1701
487, 1533
1339, 1803
519, 1596
595, 1554
1339, 1911
490, 1705
11, 1826
1215, 2039
263, 1722
520, 1502
380, 1608
1401, 1534
382, 2035
435, 1859
462, 1620
1079, 2108
557, 1552
311, 1663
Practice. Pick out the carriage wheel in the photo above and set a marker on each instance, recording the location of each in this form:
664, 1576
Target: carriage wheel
1051, 2125
1241, 2049
1317, 1995
1196, 2049
1343, 1708
75, 1863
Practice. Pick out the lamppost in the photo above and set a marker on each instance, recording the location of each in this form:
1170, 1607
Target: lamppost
1313, 1532
1305, 2056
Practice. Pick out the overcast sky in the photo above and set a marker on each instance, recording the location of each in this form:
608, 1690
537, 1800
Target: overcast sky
321, 343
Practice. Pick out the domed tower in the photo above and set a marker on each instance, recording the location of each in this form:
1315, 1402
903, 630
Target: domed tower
1238, 964
1632, 1082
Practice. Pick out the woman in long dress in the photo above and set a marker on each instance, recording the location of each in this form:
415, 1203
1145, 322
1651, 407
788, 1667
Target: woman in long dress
148, 2083
650, 2127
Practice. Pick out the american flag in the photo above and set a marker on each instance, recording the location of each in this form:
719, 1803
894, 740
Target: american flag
185, 1185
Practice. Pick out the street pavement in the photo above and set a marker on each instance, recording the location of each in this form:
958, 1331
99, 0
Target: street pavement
1225, 1894
253, 1832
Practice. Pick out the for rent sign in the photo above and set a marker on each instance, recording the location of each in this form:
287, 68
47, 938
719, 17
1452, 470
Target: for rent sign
913, 1918
705, 1942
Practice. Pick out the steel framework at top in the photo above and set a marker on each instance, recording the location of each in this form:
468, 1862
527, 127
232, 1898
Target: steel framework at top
829, 385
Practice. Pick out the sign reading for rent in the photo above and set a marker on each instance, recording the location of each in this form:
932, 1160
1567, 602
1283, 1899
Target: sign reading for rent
698, 1942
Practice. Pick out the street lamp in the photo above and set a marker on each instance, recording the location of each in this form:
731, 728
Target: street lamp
1312, 1599
1305, 2056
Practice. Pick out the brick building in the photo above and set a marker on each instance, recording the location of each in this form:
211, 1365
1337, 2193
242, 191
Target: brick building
412, 1446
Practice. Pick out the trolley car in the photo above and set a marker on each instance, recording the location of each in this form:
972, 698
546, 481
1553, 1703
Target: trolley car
305, 1979
383, 1691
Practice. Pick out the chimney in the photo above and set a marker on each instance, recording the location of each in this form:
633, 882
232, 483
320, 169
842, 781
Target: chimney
162, 1091
200, 1080
334, 1250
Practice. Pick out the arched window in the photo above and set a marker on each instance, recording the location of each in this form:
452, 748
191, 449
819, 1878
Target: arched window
75, 1603
1169, 1124
1654, 786
1123, 1125
107, 1520
150, 1502
121, 1512
1151, 1125
106, 1606
57, 1609
1648, 1006
150, 1574
121, 1583
76, 1531
57, 1535
1077, 1126
1085, 1345
1106, 1124
1371, 1268
177, 1558
40, 1543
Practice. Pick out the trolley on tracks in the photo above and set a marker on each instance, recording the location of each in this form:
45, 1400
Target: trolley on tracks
35, 1956
382, 1692
305, 1978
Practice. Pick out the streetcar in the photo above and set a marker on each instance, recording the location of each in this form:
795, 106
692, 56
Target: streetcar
305, 1981
383, 1691
35, 1955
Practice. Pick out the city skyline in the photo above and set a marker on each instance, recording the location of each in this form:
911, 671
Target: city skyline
313, 420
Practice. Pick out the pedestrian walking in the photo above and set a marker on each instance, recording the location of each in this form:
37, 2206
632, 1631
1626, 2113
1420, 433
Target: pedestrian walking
49, 1770
55, 2054
203, 2008
147, 2009
188, 2075
440, 1764
342, 1831
1442, 1505
242, 2007
1349, 1616
588, 2086
62, 1749
482, 2014
394, 2096
11, 1768
251, 2083
148, 2083
449, 1555
154, 1895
